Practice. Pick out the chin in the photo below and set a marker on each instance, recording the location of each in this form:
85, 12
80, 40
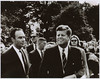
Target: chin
60, 44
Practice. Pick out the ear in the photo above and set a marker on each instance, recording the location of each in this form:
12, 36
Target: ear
70, 37
12, 39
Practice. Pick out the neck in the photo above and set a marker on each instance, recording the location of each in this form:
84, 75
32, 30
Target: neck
63, 45
17, 47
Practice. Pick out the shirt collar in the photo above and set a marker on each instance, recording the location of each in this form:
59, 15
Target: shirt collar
40, 52
16, 49
66, 51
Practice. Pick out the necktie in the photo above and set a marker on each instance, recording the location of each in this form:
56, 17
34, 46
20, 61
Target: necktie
41, 54
24, 60
64, 61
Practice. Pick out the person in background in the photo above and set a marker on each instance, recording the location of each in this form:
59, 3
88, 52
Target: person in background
93, 60
33, 40
37, 56
74, 41
62, 60
2, 47
14, 62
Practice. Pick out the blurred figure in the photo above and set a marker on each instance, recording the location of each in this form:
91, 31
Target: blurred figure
14, 62
93, 60
37, 56
2, 48
33, 40
93, 63
62, 60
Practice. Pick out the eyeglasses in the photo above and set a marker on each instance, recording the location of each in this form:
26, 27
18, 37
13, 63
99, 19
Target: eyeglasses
74, 40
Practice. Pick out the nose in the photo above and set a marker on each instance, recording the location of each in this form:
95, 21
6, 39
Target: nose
23, 39
60, 36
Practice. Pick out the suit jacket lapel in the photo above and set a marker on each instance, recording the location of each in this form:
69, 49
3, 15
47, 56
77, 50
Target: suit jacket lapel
58, 57
13, 56
38, 54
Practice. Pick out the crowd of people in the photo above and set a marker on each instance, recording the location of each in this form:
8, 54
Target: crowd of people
68, 57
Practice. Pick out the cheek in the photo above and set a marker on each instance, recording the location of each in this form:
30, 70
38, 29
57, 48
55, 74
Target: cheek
67, 38
18, 41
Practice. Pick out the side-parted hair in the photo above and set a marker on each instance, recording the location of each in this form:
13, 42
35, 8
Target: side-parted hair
12, 33
65, 28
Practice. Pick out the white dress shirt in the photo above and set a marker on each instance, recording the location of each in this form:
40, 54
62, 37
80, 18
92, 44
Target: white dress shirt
40, 52
66, 51
20, 56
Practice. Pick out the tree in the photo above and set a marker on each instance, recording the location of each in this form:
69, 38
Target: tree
93, 19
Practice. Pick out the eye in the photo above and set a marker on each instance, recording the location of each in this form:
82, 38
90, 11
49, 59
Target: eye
62, 35
58, 35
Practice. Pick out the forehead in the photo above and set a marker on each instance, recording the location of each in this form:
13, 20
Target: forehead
61, 32
41, 40
74, 38
19, 33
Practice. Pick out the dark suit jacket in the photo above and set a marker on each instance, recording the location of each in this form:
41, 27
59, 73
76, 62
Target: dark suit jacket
11, 66
51, 66
35, 61
30, 48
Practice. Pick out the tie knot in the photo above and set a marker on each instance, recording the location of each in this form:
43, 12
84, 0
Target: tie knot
63, 50
20, 51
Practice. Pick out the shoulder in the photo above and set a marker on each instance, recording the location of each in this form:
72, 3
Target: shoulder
34, 53
51, 51
7, 55
54, 48
29, 46
77, 50
8, 51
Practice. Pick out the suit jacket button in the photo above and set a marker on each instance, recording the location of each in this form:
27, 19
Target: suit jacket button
27, 76
48, 72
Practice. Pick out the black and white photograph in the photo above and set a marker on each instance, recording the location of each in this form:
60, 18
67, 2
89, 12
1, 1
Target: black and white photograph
49, 39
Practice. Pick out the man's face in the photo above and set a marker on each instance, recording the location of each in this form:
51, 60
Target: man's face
19, 40
74, 42
42, 44
34, 37
62, 38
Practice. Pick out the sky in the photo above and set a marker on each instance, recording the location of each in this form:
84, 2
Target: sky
92, 2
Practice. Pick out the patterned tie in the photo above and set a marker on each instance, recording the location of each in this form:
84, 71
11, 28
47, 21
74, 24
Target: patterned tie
64, 61
24, 60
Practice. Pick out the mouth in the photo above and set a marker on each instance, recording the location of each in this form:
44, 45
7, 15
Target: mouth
60, 40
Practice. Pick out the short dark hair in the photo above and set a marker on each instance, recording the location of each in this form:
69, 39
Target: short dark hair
41, 38
12, 33
64, 28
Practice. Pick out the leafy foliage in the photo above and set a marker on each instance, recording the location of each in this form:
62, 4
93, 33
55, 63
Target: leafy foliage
82, 18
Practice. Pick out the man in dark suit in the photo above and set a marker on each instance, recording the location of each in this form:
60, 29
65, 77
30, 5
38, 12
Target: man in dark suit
62, 60
14, 62
36, 57
33, 39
